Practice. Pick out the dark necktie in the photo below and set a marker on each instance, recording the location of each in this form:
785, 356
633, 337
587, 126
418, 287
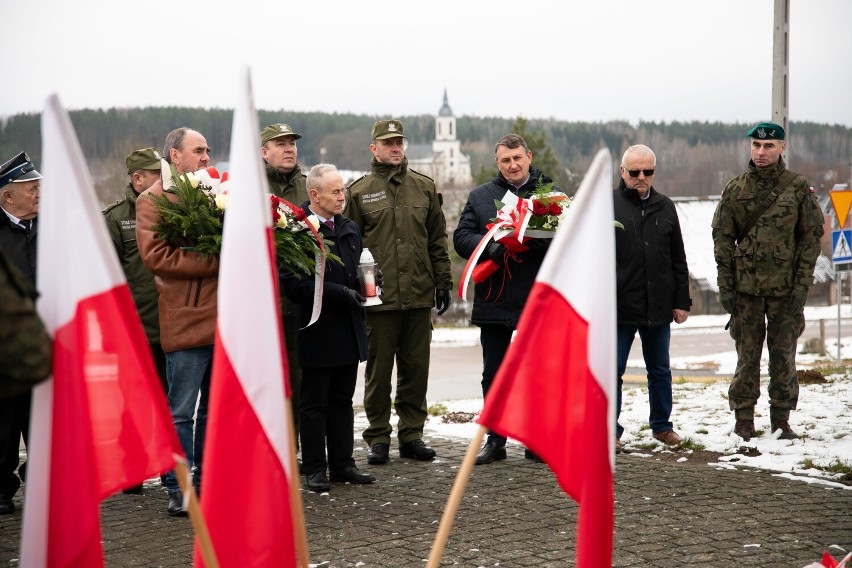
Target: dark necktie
329, 223
27, 224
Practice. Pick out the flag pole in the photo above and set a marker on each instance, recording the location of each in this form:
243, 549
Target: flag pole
199, 525
454, 499
296, 511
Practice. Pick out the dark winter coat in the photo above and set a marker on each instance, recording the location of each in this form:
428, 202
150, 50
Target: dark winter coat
651, 272
19, 247
339, 336
490, 305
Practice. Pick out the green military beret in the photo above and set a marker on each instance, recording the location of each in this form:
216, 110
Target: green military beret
277, 131
766, 131
387, 129
144, 159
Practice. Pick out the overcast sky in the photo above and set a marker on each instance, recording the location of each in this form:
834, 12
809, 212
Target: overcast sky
596, 60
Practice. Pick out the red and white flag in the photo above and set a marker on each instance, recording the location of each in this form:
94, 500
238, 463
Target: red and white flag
248, 450
555, 391
101, 423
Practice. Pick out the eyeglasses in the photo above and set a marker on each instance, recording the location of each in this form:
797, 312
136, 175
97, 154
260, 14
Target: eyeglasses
635, 173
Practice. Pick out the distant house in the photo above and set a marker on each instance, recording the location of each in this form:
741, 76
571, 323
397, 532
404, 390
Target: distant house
442, 160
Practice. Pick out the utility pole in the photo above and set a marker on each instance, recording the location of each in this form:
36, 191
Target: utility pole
780, 70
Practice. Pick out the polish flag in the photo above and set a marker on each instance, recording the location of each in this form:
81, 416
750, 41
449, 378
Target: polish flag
555, 391
249, 456
101, 423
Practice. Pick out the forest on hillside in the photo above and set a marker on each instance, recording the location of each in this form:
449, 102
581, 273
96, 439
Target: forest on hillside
693, 158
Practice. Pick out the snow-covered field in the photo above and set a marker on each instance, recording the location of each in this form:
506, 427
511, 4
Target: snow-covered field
701, 413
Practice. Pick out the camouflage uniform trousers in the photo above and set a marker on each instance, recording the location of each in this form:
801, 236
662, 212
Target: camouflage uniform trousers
756, 318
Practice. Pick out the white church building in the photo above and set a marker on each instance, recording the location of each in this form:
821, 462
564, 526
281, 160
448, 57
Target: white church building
442, 160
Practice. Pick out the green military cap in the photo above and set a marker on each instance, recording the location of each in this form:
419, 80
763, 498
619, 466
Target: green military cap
277, 131
144, 159
387, 129
766, 131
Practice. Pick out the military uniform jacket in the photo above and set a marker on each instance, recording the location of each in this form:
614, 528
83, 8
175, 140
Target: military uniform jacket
291, 187
187, 285
652, 277
121, 224
500, 299
399, 214
779, 252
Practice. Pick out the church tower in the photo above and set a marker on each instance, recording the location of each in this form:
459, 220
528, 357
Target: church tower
445, 122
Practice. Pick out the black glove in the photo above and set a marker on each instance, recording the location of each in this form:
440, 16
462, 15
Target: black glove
380, 277
728, 301
352, 298
494, 251
442, 300
797, 301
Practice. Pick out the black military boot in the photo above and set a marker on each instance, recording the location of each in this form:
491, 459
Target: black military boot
744, 428
787, 433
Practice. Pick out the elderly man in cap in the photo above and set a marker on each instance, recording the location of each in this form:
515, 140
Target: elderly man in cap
766, 234
286, 180
19, 196
143, 167
188, 287
399, 213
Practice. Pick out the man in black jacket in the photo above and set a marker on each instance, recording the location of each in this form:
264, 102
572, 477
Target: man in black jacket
330, 349
499, 300
20, 190
652, 283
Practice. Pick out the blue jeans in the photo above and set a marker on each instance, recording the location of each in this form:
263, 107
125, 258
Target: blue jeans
188, 372
655, 350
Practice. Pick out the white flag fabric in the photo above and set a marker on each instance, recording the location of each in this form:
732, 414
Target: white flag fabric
248, 452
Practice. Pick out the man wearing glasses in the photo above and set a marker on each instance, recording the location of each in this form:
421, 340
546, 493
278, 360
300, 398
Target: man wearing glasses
652, 283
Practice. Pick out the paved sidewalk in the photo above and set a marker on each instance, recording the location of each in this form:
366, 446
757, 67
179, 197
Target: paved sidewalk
513, 514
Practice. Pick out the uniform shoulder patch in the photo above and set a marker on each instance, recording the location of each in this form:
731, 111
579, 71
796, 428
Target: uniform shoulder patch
112, 206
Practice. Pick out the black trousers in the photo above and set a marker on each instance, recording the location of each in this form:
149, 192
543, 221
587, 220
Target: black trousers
495, 340
327, 418
14, 423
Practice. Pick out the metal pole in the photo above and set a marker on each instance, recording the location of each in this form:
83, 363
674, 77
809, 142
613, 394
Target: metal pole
780, 71
839, 296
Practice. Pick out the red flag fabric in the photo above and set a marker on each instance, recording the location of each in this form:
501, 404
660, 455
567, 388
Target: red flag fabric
248, 449
555, 391
101, 423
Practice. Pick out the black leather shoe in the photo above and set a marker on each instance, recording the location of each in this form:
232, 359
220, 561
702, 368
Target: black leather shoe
528, 455
416, 449
351, 475
176, 505
317, 482
490, 452
378, 454
7, 507
135, 490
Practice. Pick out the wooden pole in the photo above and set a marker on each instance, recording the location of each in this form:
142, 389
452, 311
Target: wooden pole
454, 499
297, 513
199, 525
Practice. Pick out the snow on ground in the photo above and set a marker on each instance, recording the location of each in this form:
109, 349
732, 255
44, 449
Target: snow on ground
701, 414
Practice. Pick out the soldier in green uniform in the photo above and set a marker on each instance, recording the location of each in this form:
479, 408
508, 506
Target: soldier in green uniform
399, 213
286, 180
766, 235
143, 167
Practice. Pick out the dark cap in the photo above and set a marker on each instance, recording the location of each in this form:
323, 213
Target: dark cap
277, 131
387, 129
144, 159
766, 131
18, 169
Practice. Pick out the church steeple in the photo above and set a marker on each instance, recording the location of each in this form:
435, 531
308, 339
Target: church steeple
445, 122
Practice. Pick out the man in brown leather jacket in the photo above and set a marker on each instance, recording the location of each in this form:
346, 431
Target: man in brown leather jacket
188, 286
